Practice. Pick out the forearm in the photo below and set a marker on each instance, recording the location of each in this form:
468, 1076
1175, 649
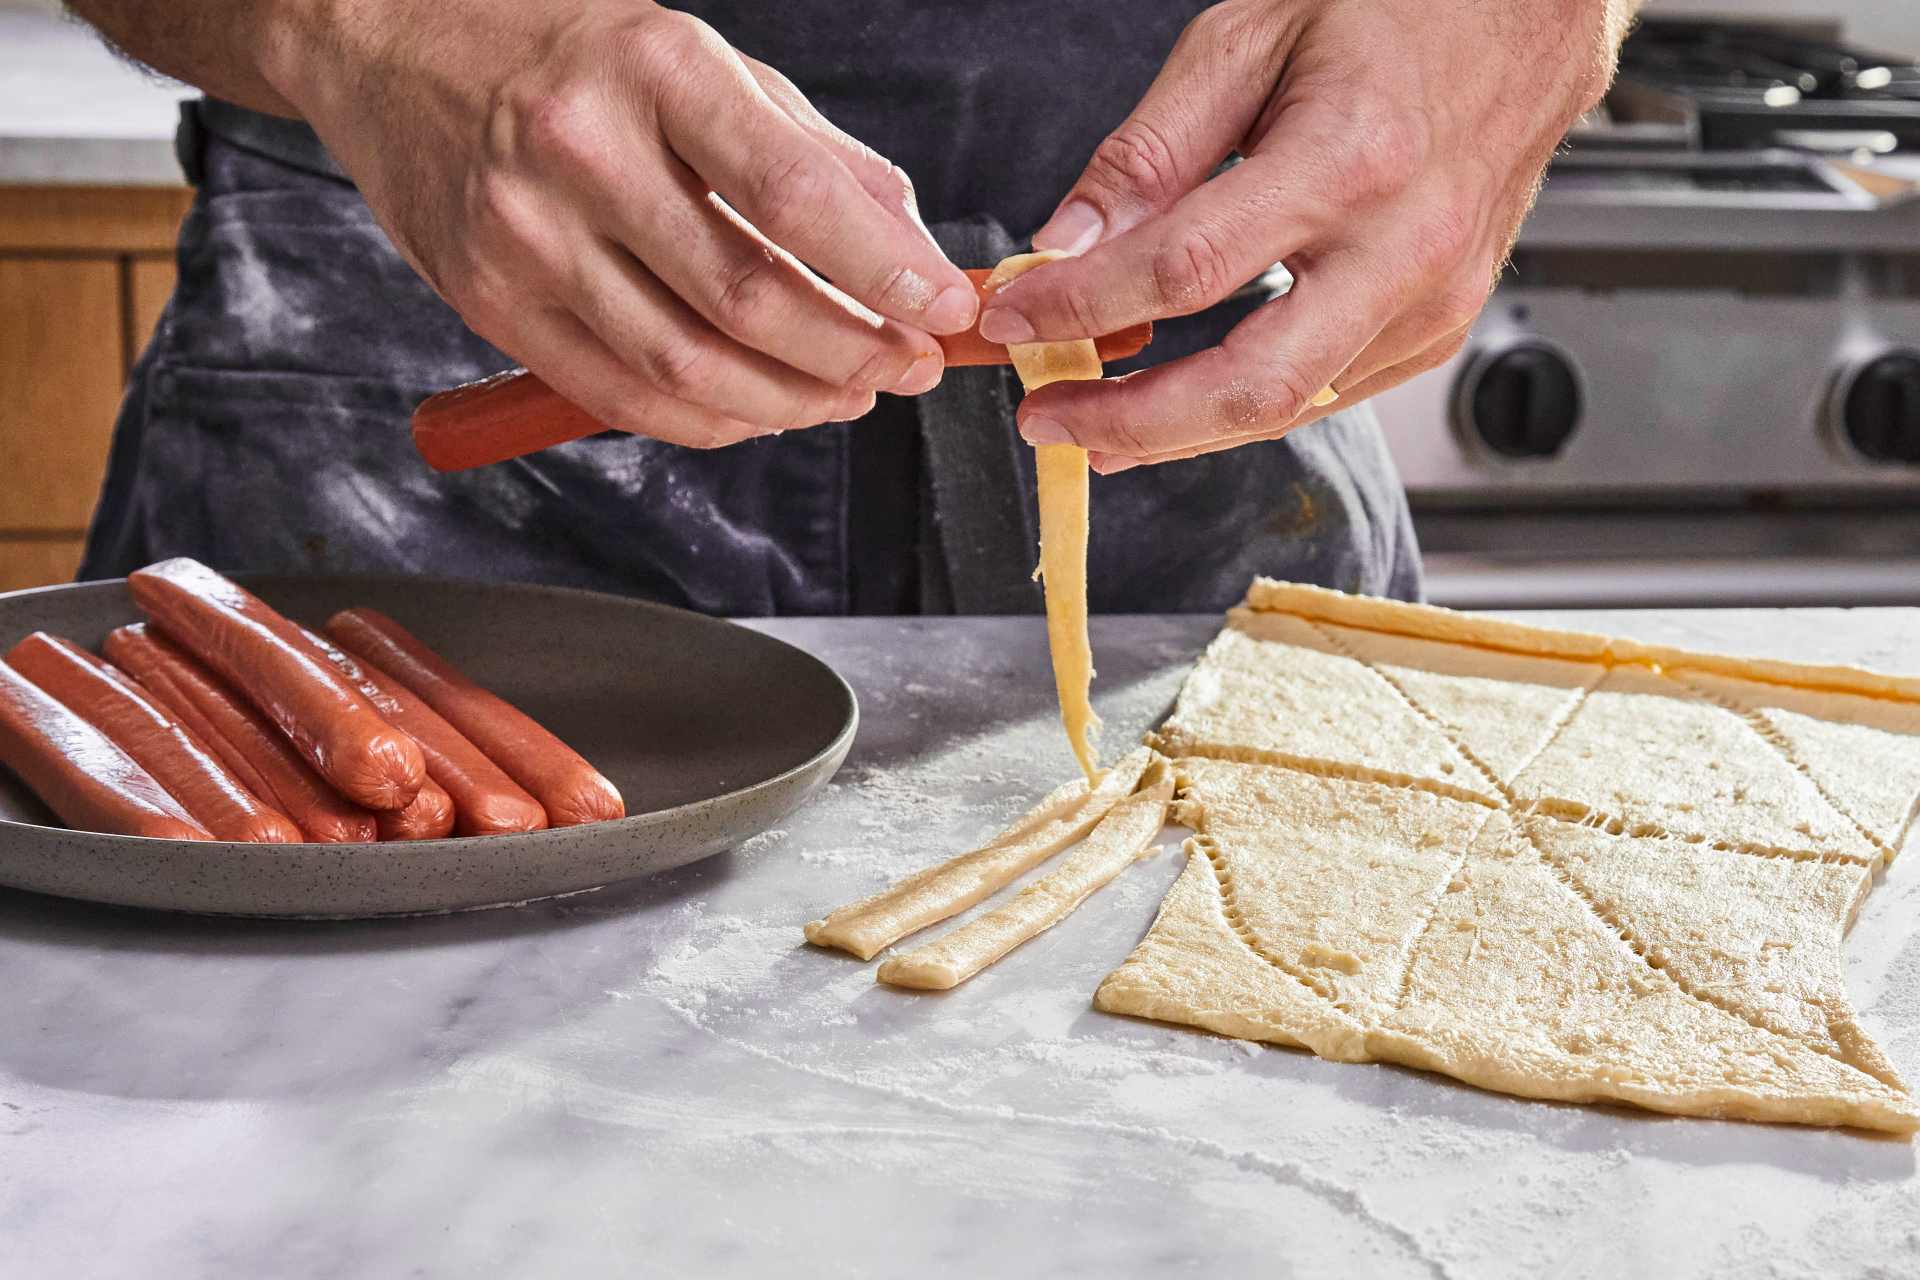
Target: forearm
230, 48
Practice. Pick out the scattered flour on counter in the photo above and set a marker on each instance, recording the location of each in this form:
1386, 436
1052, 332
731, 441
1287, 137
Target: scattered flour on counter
758, 844
832, 857
911, 815
1091, 1059
980, 1091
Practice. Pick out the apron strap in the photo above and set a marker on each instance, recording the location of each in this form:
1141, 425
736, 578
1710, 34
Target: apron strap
290, 142
979, 529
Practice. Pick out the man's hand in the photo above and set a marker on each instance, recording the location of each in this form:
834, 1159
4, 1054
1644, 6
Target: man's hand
607, 191
1391, 148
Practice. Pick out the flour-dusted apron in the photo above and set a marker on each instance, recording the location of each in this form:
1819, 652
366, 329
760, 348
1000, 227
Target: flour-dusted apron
266, 425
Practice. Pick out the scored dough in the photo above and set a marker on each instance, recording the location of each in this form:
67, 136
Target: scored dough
1478, 957
1826, 734
1549, 864
1648, 752
927, 897
1274, 688
1061, 470
1122, 836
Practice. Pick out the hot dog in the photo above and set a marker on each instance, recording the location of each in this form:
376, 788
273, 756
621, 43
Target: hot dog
252, 749
515, 413
428, 817
485, 800
571, 790
260, 655
157, 742
969, 348
73, 767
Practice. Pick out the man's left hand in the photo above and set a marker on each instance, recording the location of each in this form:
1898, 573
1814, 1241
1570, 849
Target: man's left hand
1390, 150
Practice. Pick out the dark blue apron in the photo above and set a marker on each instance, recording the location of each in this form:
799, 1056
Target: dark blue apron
266, 425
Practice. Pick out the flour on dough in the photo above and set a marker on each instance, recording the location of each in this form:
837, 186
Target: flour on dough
1647, 751
1274, 688
1829, 734
1544, 869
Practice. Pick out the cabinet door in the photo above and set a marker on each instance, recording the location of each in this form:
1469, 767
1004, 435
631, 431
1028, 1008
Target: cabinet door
61, 353
149, 285
62, 361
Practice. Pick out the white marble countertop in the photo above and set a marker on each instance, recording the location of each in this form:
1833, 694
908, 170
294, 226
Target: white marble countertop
662, 1079
73, 113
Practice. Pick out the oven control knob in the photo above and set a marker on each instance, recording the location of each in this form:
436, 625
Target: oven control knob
1522, 401
1880, 407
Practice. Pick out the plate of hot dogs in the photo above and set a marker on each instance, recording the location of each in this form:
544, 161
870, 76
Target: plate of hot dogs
353, 746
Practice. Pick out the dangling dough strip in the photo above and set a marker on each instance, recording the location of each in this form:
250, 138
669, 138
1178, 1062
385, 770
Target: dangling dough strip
1122, 836
927, 897
1062, 473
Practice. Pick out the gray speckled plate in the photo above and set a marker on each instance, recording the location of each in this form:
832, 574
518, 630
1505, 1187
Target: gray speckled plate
711, 731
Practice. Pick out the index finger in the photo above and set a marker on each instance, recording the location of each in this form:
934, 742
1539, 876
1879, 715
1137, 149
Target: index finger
803, 197
1267, 372
885, 181
1197, 252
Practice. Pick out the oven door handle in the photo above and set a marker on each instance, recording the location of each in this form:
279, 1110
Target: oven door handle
1464, 581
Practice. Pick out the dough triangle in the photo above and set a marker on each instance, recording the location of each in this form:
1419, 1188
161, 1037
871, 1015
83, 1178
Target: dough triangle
1520, 987
1194, 968
1501, 707
1334, 876
1760, 937
1274, 688
1647, 752
1863, 753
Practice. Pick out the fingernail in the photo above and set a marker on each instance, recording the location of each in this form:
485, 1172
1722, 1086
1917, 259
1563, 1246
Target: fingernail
853, 408
1108, 464
1324, 397
1075, 229
1038, 430
922, 375
952, 311
1004, 324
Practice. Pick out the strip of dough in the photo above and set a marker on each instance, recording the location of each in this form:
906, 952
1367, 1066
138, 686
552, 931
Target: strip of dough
1431, 622
927, 897
1122, 836
1062, 473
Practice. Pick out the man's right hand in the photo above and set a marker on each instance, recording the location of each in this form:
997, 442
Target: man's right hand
557, 171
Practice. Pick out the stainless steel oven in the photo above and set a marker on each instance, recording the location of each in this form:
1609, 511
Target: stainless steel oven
1699, 380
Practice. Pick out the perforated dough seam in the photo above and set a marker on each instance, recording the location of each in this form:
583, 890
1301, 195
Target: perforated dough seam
1573, 885
1244, 932
1566, 879
1412, 956
1778, 743
1583, 815
1319, 768
1561, 721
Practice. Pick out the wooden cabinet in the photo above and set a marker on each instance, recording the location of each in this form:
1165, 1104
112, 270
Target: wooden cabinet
84, 273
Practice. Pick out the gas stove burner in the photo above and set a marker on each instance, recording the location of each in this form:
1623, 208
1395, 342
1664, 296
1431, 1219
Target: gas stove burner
1751, 86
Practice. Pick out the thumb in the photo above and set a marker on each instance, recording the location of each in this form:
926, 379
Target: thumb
1193, 115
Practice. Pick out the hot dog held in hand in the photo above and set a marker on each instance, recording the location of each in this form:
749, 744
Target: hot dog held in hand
662, 228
